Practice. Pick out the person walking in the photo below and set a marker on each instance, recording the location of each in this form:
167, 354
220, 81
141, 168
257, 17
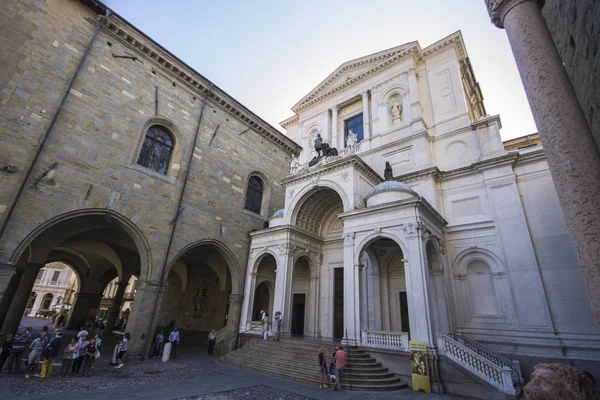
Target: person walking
212, 337
18, 349
89, 357
50, 353
36, 347
323, 367
6, 348
71, 353
160, 339
82, 344
122, 351
174, 339
340, 361
278, 321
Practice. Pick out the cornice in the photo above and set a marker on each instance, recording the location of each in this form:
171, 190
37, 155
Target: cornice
291, 120
455, 38
432, 172
334, 165
137, 41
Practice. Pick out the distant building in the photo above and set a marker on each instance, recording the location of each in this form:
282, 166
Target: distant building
54, 290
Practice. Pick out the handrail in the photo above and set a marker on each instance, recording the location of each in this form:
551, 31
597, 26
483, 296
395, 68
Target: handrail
490, 355
499, 376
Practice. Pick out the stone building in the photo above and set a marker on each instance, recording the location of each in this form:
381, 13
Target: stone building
120, 160
464, 236
53, 291
576, 34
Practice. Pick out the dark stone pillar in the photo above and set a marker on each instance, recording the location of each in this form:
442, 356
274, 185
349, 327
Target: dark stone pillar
19, 300
84, 303
10, 277
115, 307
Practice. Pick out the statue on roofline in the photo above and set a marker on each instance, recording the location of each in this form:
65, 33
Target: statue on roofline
388, 174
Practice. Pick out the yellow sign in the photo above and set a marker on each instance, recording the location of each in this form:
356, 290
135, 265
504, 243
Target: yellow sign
418, 363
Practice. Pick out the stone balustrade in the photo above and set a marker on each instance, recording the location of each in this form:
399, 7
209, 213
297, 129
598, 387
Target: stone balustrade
384, 340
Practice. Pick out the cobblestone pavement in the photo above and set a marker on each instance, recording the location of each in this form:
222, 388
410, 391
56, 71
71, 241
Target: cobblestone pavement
252, 393
106, 376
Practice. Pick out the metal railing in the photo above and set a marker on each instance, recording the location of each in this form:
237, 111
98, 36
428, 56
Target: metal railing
499, 376
384, 340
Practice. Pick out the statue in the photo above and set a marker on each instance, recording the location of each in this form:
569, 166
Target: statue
318, 144
294, 164
388, 174
396, 109
326, 150
351, 139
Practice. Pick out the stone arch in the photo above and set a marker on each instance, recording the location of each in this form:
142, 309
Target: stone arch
299, 199
180, 268
367, 240
223, 250
312, 263
494, 262
24, 249
100, 249
256, 260
178, 144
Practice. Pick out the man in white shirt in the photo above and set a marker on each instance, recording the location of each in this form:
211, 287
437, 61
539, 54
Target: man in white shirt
174, 339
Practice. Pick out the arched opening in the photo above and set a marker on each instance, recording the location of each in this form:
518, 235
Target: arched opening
300, 296
73, 256
317, 212
108, 298
157, 149
482, 293
197, 296
47, 302
262, 300
383, 291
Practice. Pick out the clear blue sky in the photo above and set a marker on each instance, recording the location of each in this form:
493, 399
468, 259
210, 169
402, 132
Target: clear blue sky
269, 54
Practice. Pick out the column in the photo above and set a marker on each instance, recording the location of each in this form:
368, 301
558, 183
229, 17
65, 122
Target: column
144, 316
374, 113
233, 320
334, 127
385, 303
248, 304
85, 304
366, 119
10, 277
115, 307
312, 306
570, 149
19, 300
351, 291
415, 107
327, 127
416, 272
283, 288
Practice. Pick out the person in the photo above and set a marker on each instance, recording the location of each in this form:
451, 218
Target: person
89, 357
318, 144
82, 344
122, 351
71, 353
18, 348
58, 322
82, 332
340, 361
323, 367
50, 353
174, 339
266, 326
6, 348
36, 347
98, 340
212, 337
396, 109
294, 164
49, 337
160, 338
278, 321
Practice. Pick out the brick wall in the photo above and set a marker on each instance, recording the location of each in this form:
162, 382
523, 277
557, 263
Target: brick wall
575, 28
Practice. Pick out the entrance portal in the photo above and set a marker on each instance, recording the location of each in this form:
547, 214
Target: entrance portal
298, 312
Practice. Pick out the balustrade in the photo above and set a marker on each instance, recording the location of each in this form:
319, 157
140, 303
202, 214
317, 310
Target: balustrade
384, 340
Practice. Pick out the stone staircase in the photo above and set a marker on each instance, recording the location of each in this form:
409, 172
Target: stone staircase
298, 360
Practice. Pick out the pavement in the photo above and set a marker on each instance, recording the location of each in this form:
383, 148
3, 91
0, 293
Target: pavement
224, 379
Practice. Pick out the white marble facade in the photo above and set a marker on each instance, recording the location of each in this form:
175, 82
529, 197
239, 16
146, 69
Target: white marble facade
468, 238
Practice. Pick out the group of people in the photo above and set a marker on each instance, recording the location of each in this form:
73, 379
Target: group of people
78, 358
267, 331
335, 370
173, 338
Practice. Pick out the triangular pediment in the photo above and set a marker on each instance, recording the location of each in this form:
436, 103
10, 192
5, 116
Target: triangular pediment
352, 69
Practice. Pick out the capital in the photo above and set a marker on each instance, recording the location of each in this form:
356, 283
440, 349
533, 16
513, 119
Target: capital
499, 8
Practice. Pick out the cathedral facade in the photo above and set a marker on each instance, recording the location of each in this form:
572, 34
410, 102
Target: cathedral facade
420, 223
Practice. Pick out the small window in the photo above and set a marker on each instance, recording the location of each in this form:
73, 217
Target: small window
55, 277
354, 124
254, 195
156, 150
39, 276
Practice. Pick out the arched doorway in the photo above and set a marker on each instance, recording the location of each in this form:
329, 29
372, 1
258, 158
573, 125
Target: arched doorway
300, 297
262, 292
197, 300
46, 302
262, 300
383, 290
98, 245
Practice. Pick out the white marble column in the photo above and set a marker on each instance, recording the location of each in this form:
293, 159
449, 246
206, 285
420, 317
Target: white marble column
570, 148
283, 288
416, 273
334, 127
366, 119
385, 302
311, 309
414, 113
351, 291
248, 303
375, 129
327, 127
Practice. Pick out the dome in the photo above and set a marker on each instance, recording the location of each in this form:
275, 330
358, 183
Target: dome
389, 191
276, 219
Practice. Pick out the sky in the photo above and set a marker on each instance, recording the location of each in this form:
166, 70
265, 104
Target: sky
270, 54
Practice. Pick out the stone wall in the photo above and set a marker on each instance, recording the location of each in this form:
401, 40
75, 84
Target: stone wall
575, 28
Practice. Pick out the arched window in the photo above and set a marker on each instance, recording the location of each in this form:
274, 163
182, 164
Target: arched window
254, 195
31, 300
47, 301
481, 289
156, 150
